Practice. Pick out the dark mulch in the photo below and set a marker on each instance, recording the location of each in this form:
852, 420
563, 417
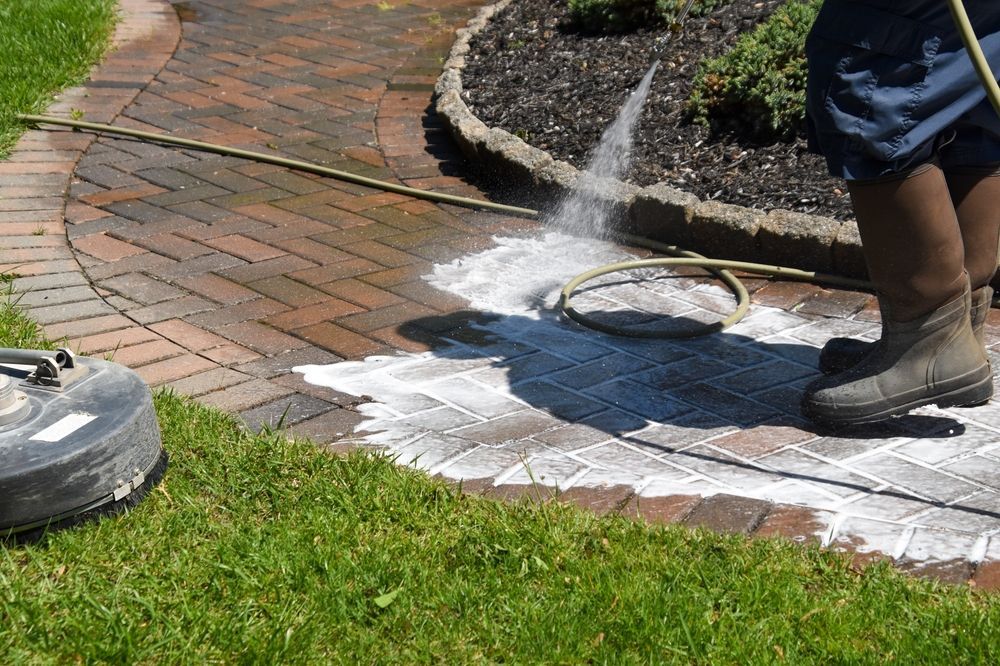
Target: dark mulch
531, 73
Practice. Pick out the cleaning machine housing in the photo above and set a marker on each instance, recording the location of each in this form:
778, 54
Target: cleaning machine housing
78, 437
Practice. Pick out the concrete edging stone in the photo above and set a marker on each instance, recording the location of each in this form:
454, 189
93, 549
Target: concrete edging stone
660, 212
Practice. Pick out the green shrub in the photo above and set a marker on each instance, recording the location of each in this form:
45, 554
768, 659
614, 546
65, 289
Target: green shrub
622, 15
757, 89
610, 15
667, 10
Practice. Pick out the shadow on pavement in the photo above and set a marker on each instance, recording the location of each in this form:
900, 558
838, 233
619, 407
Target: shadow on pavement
665, 398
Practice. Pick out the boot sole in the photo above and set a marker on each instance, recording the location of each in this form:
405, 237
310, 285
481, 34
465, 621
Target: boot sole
978, 393
832, 369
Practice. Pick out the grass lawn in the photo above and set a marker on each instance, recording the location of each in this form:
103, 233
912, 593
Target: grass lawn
46, 45
259, 549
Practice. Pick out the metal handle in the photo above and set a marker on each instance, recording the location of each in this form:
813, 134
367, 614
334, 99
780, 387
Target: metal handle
63, 358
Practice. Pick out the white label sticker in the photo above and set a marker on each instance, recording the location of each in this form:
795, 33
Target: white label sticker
67, 425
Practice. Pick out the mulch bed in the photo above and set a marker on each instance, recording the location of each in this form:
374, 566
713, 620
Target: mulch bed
533, 74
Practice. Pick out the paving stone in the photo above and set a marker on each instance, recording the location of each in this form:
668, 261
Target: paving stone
985, 471
762, 439
338, 340
70, 312
288, 291
785, 295
241, 397
471, 397
285, 412
270, 367
941, 556
176, 308
600, 501
208, 381
392, 315
555, 472
978, 513
509, 427
109, 342
173, 246
85, 327
329, 427
828, 477
727, 471
864, 536
54, 297
484, 459
234, 314
245, 248
800, 524
105, 248
25, 285
141, 288
207, 263
834, 303
920, 480
216, 288
620, 458
172, 369
728, 514
987, 575
661, 510
230, 354
308, 315
520, 492
144, 353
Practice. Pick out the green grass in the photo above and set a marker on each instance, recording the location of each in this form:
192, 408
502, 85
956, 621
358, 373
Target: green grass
258, 549
16, 330
45, 46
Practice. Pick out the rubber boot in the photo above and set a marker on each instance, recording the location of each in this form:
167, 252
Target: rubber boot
928, 353
934, 359
975, 192
839, 354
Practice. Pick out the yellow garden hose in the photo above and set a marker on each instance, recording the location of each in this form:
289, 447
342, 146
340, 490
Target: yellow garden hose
971, 42
676, 256
679, 257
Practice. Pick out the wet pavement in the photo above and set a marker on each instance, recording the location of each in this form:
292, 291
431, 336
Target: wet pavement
369, 319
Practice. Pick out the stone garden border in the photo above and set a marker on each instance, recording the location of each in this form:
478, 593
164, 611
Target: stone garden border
659, 212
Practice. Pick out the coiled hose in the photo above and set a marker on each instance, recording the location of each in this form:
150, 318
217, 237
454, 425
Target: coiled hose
676, 256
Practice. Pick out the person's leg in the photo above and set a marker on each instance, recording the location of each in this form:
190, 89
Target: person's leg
911, 240
928, 354
975, 195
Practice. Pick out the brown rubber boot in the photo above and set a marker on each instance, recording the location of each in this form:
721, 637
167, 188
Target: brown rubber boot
839, 354
975, 193
928, 353
934, 359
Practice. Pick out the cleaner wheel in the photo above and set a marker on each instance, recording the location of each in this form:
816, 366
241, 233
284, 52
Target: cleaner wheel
78, 438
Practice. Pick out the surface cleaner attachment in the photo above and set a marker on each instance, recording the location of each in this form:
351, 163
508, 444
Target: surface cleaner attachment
78, 438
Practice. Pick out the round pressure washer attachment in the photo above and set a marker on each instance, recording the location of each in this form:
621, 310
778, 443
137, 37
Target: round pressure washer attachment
78, 439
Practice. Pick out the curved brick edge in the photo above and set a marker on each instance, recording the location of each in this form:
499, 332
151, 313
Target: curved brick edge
660, 212
970, 561
39, 244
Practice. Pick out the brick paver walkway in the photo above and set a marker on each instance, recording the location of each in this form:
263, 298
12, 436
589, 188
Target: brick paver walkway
216, 277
